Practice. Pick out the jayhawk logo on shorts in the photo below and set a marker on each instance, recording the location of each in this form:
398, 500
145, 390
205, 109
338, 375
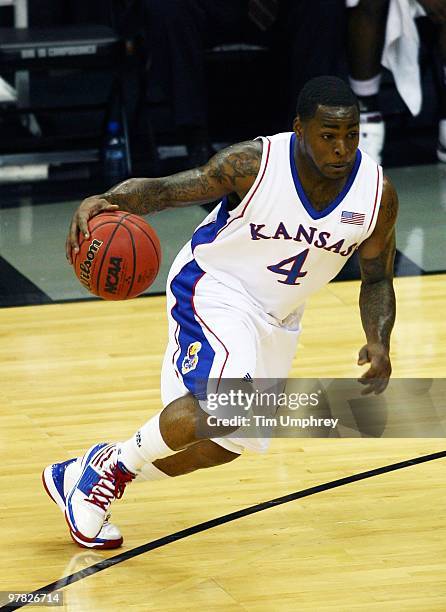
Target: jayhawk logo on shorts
190, 362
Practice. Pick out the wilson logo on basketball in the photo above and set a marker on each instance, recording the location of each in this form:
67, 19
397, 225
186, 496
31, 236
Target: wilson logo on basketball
111, 283
85, 267
121, 258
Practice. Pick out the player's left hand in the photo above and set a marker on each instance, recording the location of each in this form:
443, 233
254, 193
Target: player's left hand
377, 376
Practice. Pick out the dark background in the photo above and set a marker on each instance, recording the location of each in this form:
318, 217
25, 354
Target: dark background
245, 93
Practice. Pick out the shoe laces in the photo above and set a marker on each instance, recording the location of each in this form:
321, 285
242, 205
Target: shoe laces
110, 486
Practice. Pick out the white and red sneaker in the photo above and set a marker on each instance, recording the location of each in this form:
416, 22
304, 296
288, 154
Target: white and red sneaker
58, 479
102, 479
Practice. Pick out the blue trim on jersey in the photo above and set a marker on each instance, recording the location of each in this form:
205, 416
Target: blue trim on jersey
316, 214
207, 233
190, 331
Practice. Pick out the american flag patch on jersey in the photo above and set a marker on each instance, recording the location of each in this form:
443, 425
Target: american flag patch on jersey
352, 217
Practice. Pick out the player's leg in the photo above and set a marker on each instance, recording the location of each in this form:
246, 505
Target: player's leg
108, 468
59, 478
366, 32
301, 28
277, 346
205, 454
178, 32
205, 341
180, 426
441, 149
367, 24
175, 35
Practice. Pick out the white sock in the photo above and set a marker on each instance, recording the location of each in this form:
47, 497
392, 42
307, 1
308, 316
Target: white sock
150, 472
442, 132
370, 87
146, 446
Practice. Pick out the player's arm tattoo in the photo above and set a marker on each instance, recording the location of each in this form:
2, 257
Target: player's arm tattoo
231, 170
377, 297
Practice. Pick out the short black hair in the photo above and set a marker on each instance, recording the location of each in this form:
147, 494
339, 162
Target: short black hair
324, 90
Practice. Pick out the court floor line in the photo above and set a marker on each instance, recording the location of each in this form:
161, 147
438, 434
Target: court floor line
221, 520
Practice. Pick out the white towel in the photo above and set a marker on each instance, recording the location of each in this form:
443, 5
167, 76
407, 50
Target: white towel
401, 48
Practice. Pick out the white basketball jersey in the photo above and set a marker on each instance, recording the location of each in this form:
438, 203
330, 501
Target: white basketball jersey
275, 247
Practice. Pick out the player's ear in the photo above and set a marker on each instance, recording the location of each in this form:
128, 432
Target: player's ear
297, 126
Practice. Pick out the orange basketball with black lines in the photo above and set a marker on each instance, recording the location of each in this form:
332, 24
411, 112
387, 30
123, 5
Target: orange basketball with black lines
120, 259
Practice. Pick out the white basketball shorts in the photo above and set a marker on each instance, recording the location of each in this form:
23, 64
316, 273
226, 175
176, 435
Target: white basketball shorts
217, 332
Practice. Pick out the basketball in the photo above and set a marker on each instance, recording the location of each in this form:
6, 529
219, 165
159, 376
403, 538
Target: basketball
120, 259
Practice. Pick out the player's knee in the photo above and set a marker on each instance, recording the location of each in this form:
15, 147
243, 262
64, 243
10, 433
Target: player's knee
183, 422
186, 420
183, 413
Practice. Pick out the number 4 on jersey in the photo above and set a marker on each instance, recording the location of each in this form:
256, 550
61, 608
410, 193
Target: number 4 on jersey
293, 273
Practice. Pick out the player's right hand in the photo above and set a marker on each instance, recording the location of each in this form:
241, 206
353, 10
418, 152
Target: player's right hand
79, 223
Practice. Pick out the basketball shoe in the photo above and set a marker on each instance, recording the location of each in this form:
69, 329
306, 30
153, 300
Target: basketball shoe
102, 479
58, 479
441, 152
372, 134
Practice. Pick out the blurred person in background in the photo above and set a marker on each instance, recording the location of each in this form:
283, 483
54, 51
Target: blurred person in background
306, 38
384, 32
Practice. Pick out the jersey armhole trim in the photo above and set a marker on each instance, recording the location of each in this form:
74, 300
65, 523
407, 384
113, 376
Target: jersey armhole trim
251, 193
376, 205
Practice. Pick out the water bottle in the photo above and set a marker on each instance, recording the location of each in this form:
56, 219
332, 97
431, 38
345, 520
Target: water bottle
115, 154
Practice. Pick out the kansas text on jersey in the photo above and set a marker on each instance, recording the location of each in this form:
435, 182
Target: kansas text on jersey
274, 247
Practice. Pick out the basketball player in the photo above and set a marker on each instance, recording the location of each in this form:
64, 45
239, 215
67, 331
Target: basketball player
293, 208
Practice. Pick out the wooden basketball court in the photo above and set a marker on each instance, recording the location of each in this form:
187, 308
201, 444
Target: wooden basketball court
75, 374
